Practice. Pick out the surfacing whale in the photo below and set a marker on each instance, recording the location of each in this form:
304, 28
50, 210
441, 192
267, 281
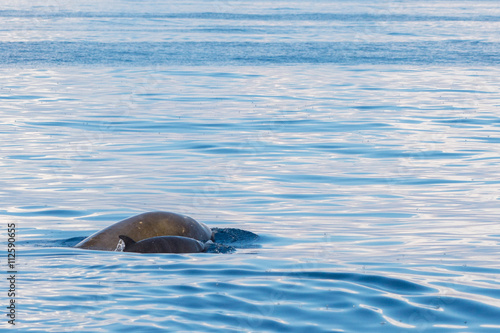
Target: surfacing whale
163, 244
144, 226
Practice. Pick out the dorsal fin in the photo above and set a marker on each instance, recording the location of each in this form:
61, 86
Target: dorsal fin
127, 240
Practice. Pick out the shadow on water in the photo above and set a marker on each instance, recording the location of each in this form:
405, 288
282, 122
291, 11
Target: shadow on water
226, 240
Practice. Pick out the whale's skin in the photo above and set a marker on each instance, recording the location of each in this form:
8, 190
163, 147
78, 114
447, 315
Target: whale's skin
163, 244
147, 225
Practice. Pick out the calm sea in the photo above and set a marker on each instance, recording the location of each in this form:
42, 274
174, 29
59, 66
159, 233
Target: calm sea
360, 140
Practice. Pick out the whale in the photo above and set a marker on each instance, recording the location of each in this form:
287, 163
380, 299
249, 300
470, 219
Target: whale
163, 244
144, 226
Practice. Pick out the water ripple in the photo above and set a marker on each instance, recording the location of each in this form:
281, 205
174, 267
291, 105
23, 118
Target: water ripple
358, 140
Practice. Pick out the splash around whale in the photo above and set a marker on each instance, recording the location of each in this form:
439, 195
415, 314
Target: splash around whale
152, 233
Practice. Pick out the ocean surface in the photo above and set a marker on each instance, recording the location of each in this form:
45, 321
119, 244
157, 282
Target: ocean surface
359, 140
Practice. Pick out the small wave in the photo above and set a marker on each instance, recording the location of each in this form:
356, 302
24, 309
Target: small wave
248, 53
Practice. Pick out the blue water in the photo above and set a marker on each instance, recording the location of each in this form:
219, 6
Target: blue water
358, 139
